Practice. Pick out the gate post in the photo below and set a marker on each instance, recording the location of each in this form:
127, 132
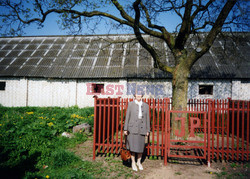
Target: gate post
166, 132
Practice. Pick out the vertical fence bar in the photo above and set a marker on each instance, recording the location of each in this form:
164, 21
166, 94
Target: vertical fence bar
153, 129
99, 124
95, 115
112, 123
104, 124
238, 128
121, 124
213, 120
149, 145
248, 110
162, 126
108, 131
243, 130
233, 126
208, 133
166, 133
158, 126
218, 127
222, 130
228, 113
117, 124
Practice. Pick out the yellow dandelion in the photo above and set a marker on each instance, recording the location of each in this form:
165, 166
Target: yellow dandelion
41, 122
53, 118
211, 172
30, 112
50, 124
21, 117
47, 176
1, 124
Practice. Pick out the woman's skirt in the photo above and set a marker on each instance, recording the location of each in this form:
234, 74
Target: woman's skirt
136, 143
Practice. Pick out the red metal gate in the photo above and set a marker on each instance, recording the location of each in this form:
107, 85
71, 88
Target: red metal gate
222, 129
194, 143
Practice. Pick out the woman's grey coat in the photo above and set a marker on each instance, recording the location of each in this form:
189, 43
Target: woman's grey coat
135, 125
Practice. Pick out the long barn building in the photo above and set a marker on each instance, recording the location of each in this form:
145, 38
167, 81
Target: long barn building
69, 70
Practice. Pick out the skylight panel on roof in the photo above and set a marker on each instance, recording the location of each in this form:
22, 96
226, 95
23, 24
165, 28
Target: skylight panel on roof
46, 62
26, 53
44, 46
20, 47
114, 72
19, 61
73, 62
88, 62
38, 53
14, 41
77, 53
116, 61
52, 53
99, 72
13, 54
5, 62
60, 62
3, 53
8, 47
49, 41
91, 53
32, 61
101, 61
32, 47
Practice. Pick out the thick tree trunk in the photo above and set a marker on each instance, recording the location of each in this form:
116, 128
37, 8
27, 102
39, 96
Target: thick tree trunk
180, 91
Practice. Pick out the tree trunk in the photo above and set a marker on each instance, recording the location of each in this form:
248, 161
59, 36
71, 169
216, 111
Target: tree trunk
180, 91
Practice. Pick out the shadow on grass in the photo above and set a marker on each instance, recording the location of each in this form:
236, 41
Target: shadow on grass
18, 171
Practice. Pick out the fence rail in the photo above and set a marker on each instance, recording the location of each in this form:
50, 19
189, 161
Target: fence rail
225, 130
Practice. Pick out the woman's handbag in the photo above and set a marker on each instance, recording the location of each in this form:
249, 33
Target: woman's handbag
125, 153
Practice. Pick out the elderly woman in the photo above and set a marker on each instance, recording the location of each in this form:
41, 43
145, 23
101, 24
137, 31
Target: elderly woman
137, 126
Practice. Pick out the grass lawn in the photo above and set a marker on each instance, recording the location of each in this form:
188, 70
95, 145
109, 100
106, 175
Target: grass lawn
31, 145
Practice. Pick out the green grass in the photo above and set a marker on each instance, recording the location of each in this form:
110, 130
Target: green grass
31, 145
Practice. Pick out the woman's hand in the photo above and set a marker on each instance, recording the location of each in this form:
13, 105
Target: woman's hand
125, 132
147, 133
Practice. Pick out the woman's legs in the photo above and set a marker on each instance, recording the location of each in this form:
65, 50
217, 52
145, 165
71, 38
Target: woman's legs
133, 161
139, 156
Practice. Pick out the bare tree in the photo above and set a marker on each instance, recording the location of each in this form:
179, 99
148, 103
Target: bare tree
142, 16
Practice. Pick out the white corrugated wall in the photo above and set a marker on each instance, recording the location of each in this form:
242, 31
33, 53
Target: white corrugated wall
66, 92
44, 92
15, 92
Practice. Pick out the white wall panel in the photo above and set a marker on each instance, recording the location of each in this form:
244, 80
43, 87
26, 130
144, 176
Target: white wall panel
14, 93
52, 92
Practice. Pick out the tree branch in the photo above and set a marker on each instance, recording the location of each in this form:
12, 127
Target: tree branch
148, 47
196, 54
167, 37
185, 29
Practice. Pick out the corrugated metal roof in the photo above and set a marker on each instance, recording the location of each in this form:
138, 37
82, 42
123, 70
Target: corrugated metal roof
96, 57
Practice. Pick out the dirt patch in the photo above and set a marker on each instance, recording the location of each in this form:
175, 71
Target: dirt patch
155, 169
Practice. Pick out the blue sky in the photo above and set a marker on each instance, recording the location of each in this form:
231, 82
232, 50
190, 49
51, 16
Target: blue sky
51, 27
170, 21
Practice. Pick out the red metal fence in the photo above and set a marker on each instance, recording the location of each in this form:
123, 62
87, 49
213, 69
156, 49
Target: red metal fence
222, 133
